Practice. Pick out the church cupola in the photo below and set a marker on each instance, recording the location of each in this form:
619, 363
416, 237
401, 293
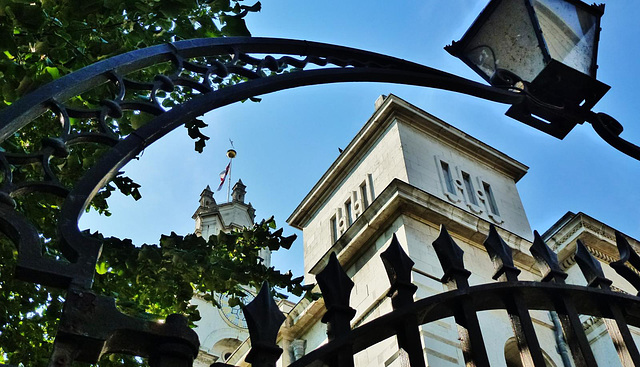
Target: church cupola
238, 192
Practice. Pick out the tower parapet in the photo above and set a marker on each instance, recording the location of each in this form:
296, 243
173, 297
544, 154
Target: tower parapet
212, 217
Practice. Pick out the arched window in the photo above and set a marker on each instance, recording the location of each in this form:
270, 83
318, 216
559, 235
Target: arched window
224, 348
512, 355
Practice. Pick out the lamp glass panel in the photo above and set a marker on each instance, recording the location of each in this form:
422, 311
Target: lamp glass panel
506, 40
569, 32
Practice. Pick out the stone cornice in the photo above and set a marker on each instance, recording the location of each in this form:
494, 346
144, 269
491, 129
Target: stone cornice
302, 317
459, 140
385, 115
401, 198
598, 238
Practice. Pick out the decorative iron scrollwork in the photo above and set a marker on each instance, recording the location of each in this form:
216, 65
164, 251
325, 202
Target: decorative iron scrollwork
103, 108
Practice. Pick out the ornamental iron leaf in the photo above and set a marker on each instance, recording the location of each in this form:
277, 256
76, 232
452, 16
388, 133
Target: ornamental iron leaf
335, 284
450, 256
501, 256
264, 318
590, 267
547, 260
397, 263
630, 256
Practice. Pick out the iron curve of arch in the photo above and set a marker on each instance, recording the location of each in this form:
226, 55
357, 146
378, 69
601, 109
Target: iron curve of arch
263, 75
196, 71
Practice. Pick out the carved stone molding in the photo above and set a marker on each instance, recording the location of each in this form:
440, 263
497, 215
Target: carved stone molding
562, 240
591, 322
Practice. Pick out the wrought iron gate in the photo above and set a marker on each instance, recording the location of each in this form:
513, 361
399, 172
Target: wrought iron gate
203, 66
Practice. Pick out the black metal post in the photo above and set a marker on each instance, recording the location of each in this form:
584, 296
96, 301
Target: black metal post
398, 266
500, 253
456, 276
571, 324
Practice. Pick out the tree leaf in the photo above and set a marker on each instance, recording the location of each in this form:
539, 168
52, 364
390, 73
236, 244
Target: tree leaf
234, 26
54, 72
102, 268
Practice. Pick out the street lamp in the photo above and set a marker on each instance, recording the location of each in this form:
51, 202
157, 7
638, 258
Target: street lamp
547, 49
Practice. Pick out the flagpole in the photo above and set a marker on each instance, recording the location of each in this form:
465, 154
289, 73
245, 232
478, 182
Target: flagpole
229, 183
231, 153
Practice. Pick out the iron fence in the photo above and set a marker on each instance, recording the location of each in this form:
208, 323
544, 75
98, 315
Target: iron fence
463, 302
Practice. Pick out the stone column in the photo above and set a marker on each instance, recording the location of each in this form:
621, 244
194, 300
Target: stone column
298, 348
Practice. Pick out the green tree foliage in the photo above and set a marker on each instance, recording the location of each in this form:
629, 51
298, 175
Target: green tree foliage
44, 39
41, 40
162, 279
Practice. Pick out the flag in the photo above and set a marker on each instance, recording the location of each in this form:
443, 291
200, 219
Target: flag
223, 175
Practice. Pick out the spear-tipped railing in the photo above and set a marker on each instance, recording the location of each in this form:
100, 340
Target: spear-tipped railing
463, 302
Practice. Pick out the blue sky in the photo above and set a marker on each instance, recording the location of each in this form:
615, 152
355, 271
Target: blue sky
287, 141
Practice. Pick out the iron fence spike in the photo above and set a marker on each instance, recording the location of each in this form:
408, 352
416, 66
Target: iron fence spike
627, 252
590, 267
335, 284
336, 287
450, 256
263, 316
397, 263
500, 254
547, 259
630, 256
264, 319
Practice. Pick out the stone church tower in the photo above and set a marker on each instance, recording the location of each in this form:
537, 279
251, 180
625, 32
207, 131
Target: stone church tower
212, 217
221, 330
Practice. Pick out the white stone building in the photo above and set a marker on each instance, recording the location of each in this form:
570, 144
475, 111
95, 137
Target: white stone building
406, 172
